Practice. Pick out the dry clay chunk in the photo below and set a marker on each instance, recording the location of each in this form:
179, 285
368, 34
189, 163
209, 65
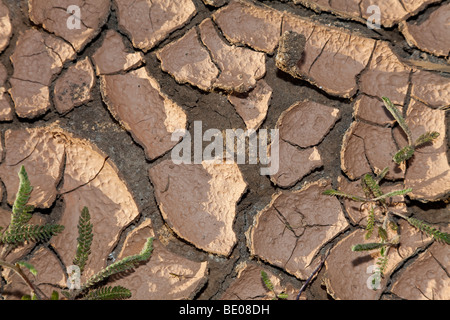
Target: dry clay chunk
198, 201
165, 275
350, 275
257, 27
135, 99
74, 87
38, 58
426, 278
248, 285
149, 22
252, 106
428, 172
6, 112
240, 67
5, 27
188, 61
294, 163
367, 146
76, 21
306, 123
43, 158
112, 56
212, 63
391, 11
386, 75
431, 35
313, 52
291, 230
431, 88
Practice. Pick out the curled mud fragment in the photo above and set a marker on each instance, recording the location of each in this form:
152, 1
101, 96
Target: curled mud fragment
391, 11
136, 101
165, 276
386, 75
76, 21
428, 171
431, 89
74, 87
292, 229
350, 275
43, 158
5, 27
372, 110
244, 23
240, 67
426, 277
252, 106
112, 56
37, 59
325, 51
294, 164
431, 35
198, 201
306, 123
367, 148
149, 22
248, 285
49, 271
188, 61
6, 112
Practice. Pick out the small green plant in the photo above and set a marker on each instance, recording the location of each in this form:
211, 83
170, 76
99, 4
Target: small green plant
20, 232
407, 152
269, 286
376, 201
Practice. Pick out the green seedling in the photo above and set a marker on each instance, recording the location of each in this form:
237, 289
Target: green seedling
407, 152
269, 286
20, 232
377, 201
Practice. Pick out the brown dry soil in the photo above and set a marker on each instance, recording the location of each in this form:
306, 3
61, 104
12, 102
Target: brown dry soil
93, 120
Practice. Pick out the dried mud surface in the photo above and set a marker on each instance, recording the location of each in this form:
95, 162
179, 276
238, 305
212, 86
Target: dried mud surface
91, 112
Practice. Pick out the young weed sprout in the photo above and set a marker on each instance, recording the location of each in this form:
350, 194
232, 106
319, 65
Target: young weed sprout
376, 201
20, 232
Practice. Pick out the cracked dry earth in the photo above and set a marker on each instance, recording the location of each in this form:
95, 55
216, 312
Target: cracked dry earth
90, 113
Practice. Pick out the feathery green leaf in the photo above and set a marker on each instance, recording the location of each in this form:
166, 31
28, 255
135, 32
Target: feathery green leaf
368, 246
109, 293
21, 212
266, 281
398, 117
393, 194
370, 223
435, 233
84, 240
122, 265
332, 192
31, 233
426, 138
403, 154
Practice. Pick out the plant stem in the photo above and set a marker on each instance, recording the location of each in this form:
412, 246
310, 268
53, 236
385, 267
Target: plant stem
16, 268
